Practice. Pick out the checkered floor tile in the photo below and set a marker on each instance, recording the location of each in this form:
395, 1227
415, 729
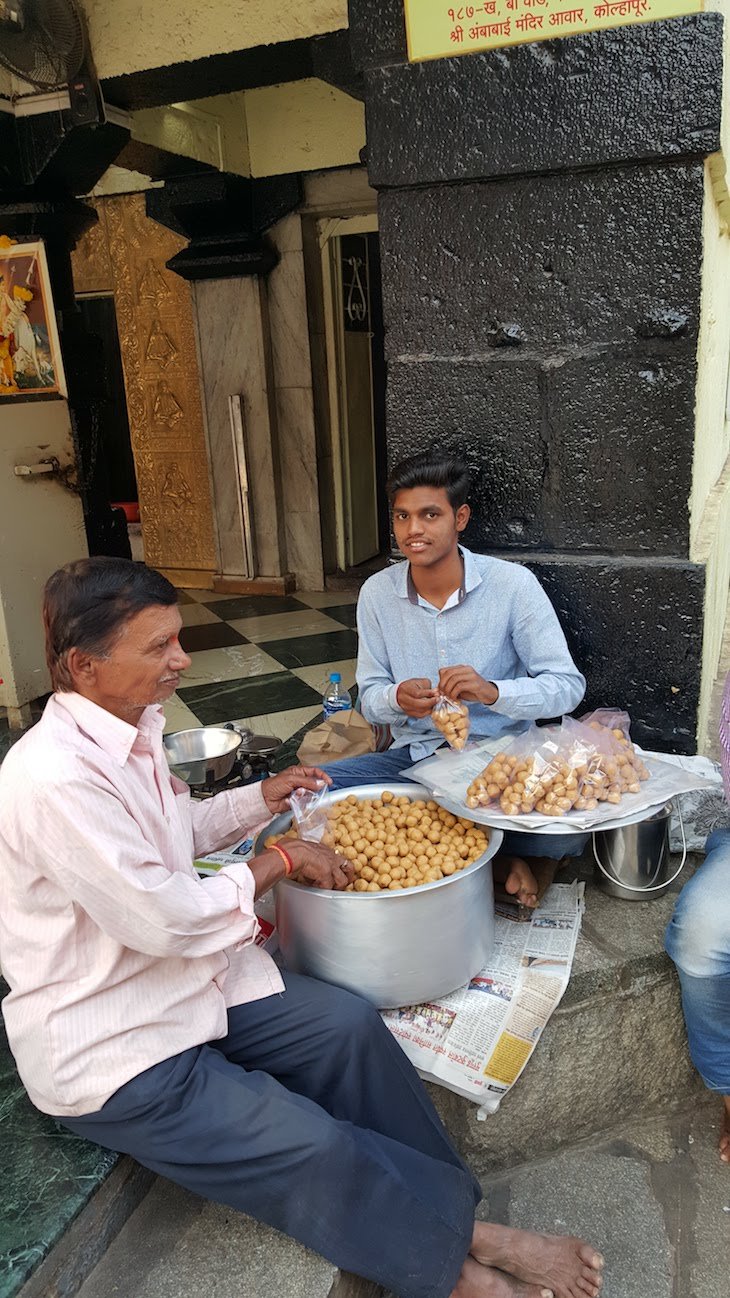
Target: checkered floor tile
262, 660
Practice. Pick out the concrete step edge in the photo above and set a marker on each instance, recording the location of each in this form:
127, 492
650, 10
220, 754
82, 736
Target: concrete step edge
73, 1258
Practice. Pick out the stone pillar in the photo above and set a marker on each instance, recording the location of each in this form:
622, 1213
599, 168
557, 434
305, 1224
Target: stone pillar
541, 238
228, 258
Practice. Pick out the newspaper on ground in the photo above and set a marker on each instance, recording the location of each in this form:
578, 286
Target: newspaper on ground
478, 1040
447, 775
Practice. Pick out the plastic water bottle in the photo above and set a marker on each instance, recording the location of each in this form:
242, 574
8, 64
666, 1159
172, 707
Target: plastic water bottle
335, 697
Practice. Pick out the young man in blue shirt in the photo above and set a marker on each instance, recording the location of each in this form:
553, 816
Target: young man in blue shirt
469, 626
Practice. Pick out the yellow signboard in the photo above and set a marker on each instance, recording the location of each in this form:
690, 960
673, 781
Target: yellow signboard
438, 29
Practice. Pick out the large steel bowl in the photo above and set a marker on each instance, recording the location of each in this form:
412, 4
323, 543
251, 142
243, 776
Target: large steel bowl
394, 948
204, 755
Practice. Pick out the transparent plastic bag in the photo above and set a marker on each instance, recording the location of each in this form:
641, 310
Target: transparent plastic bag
309, 814
452, 719
556, 769
623, 764
611, 719
535, 773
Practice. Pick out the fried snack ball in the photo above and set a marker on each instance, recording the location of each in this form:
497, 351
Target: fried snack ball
452, 719
394, 843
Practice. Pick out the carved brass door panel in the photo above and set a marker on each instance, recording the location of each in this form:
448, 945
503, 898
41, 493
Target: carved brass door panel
126, 254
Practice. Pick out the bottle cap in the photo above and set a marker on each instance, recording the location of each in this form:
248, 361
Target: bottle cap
335, 676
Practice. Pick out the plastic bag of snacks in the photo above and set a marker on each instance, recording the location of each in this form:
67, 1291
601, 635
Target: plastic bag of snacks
452, 719
555, 770
619, 723
535, 773
624, 766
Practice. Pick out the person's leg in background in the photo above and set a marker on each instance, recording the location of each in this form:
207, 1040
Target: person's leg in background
698, 941
371, 768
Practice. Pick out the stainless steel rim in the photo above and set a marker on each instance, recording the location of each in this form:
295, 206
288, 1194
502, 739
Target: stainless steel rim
415, 793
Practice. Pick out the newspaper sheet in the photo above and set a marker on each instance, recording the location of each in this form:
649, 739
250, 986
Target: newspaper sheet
477, 1041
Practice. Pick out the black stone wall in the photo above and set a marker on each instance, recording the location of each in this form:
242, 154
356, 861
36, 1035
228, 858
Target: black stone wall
541, 242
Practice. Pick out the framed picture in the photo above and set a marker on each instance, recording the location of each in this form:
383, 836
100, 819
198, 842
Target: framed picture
30, 354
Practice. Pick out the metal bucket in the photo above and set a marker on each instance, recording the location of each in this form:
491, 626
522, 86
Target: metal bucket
393, 948
633, 861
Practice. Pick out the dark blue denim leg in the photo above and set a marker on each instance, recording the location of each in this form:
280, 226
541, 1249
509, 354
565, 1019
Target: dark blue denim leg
371, 768
553, 846
698, 941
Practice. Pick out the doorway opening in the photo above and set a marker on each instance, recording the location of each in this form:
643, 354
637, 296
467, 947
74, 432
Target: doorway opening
108, 460
356, 516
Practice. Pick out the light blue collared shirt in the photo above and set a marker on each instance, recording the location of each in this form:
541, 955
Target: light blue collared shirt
501, 623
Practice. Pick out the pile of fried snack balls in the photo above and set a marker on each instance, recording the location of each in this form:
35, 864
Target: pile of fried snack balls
395, 843
577, 777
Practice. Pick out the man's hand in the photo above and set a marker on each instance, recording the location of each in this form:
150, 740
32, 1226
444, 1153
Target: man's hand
318, 866
416, 697
278, 788
464, 683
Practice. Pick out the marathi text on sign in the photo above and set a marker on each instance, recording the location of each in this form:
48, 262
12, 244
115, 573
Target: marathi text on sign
438, 29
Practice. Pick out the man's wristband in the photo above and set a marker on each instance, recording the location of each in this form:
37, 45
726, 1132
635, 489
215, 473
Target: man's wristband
288, 863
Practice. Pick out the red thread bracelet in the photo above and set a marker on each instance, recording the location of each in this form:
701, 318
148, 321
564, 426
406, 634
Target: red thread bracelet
288, 863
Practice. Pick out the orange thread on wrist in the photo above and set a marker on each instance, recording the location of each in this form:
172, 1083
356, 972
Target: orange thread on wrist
288, 863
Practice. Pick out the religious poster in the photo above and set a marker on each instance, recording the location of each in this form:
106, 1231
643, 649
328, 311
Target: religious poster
439, 29
30, 354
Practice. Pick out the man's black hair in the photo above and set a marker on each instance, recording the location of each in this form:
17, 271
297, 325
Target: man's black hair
87, 603
431, 470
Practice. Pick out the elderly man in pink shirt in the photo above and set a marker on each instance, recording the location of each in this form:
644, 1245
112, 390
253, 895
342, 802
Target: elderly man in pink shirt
698, 941
142, 1014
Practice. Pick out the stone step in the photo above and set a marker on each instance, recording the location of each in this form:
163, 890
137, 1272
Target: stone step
615, 1048
651, 1195
177, 1245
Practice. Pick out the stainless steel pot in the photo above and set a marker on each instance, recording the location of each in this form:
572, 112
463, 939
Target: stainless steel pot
260, 745
205, 755
394, 948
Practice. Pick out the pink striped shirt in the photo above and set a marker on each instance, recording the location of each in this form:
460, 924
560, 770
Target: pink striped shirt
116, 954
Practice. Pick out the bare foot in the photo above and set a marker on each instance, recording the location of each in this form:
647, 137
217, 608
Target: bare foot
566, 1265
517, 877
478, 1281
725, 1133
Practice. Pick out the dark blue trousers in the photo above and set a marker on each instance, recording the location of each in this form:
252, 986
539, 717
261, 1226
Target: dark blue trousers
308, 1116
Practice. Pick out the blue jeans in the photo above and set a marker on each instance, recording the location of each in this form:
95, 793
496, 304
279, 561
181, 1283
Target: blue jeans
698, 941
308, 1116
385, 768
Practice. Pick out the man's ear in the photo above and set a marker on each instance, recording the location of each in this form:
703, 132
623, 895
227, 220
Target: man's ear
81, 667
463, 514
